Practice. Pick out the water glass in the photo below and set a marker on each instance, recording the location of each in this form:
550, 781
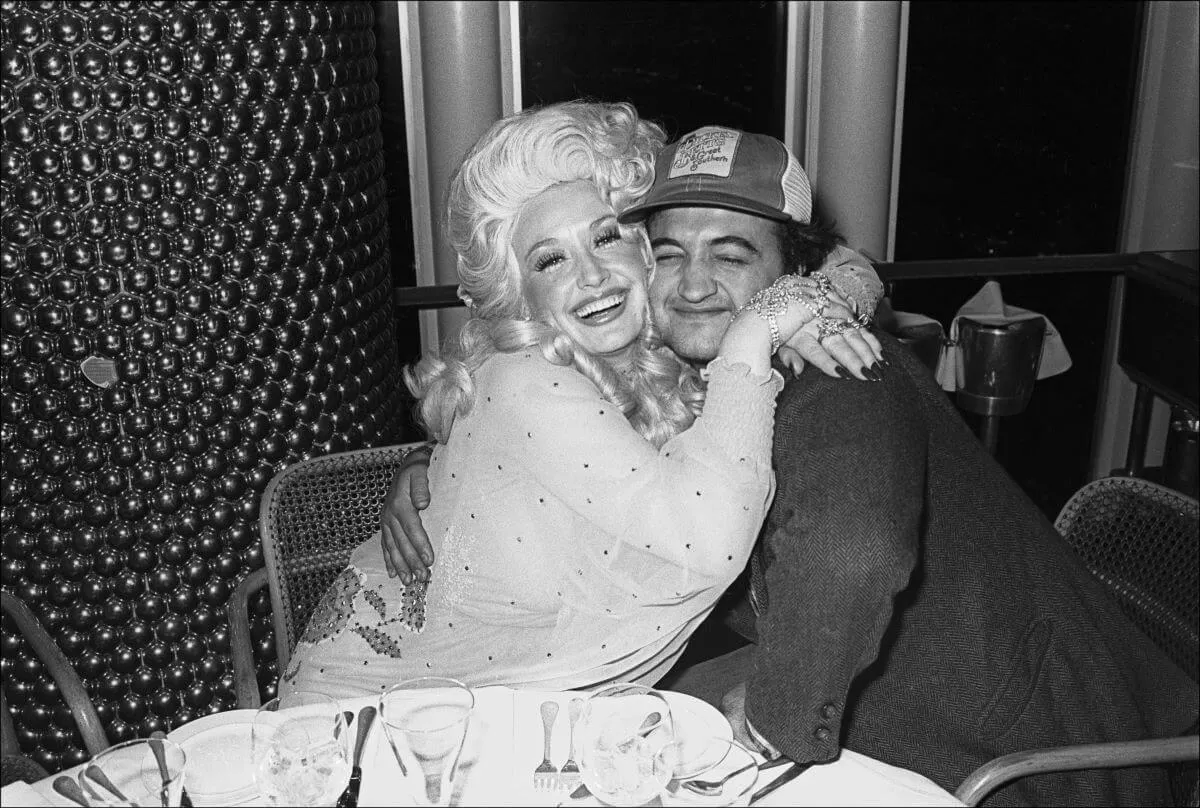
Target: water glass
426, 721
129, 773
621, 731
709, 759
300, 750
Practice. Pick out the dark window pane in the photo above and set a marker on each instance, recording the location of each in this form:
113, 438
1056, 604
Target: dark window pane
1047, 447
683, 64
390, 78
1016, 128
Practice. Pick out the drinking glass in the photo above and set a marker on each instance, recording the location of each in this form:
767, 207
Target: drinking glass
299, 747
129, 773
425, 721
621, 730
708, 759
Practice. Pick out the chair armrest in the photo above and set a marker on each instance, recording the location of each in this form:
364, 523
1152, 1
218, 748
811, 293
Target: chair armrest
995, 773
245, 674
60, 670
9, 743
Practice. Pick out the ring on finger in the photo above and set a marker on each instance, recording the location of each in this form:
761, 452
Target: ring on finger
829, 327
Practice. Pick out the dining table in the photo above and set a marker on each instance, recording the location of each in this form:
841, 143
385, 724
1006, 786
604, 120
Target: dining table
502, 748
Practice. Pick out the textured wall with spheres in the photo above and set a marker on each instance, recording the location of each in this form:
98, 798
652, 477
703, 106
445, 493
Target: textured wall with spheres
195, 294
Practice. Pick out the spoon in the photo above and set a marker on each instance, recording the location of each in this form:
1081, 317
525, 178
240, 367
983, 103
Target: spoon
161, 756
70, 789
713, 788
650, 724
156, 739
349, 798
96, 773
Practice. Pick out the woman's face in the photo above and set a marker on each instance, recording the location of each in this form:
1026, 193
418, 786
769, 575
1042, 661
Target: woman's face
580, 274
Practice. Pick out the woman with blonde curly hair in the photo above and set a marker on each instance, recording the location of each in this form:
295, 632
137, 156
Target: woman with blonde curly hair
593, 497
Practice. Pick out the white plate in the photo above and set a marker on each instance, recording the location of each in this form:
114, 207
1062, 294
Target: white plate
695, 718
220, 768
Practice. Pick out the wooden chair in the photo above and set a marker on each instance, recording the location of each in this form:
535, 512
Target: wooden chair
1140, 540
16, 765
312, 516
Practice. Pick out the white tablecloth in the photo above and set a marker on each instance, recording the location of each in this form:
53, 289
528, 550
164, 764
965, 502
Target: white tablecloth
504, 745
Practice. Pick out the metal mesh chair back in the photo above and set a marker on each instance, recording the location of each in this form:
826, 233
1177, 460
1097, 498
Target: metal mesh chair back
1140, 539
313, 515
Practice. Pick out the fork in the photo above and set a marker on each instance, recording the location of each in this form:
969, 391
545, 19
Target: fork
545, 776
568, 776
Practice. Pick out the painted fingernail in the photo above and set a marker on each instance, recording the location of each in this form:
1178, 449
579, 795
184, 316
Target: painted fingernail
878, 369
870, 374
841, 371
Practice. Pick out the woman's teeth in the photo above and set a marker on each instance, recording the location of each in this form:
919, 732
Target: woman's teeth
597, 306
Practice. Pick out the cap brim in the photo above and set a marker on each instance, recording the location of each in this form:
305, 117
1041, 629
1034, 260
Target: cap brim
701, 199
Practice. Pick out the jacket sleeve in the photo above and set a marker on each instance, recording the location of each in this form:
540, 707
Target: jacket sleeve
840, 544
853, 277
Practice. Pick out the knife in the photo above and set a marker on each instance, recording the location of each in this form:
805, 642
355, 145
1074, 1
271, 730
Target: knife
788, 776
349, 798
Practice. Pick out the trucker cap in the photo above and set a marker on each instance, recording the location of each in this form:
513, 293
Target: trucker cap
719, 167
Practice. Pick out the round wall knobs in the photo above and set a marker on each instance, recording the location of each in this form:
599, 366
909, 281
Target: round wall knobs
194, 280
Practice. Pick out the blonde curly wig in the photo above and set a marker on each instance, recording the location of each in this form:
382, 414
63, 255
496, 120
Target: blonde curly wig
518, 158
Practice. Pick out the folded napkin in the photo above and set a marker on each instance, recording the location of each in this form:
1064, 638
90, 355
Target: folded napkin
910, 319
21, 793
988, 307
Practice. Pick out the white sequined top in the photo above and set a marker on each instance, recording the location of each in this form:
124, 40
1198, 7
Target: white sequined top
570, 552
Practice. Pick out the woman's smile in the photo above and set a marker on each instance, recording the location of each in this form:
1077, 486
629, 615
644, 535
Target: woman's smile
602, 310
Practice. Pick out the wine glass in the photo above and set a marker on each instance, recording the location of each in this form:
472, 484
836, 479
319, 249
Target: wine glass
426, 721
299, 748
621, 730
129, 773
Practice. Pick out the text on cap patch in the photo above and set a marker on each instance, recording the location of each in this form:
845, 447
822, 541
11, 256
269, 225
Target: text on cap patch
705, 151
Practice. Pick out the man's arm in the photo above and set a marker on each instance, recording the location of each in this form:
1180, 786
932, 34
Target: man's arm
840, 544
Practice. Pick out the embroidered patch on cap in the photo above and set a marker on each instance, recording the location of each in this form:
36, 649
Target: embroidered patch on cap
706, 151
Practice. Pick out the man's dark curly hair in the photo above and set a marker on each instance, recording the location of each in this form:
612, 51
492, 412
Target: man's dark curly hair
805, 247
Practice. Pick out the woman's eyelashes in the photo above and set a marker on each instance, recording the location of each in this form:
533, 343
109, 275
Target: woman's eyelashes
607, 236
602, 239
547, 260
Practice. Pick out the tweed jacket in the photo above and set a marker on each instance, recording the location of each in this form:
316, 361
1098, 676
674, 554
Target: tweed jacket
919, 608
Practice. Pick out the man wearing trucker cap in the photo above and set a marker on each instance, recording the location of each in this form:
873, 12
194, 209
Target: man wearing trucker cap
910, 602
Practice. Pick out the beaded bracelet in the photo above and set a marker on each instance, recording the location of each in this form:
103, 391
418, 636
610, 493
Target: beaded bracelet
770, 302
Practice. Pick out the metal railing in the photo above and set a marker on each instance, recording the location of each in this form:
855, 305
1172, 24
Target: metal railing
437, 297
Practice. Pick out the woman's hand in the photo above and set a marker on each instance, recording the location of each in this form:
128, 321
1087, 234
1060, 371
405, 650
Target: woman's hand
407, 552
811, 320
852, 350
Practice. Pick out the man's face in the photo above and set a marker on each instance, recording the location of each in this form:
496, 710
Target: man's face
708, 262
